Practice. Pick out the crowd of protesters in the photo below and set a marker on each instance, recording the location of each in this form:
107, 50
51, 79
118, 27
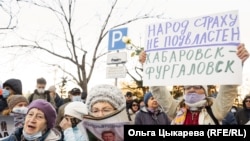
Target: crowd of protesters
44, 115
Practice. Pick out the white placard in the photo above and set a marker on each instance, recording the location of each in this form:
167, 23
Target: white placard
116, 72
199, 51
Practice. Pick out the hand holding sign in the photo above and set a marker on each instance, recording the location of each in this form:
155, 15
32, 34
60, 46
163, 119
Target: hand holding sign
242, 53
142, 57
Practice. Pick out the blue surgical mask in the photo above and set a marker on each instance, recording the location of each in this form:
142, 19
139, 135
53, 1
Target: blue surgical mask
5, 93
233, 110
194, 97
33, 136
76, 98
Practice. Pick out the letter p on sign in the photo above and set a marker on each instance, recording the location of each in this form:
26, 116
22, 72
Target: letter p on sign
115, 39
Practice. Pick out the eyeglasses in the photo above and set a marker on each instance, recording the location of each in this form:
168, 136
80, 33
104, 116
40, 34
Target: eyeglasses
247, 101
41, 87
134, 104
196, 87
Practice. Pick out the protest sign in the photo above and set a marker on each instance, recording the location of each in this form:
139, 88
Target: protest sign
200, 50
7, 126
110, 127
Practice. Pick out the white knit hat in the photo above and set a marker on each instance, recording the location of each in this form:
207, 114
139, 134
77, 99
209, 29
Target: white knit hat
76, 109
108, 93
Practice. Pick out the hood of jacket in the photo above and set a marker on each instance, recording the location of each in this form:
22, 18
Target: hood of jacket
15, 84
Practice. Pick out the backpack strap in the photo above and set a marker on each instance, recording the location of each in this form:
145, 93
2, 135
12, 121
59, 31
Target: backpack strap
48, 95
210, 112
48, 98
31, 98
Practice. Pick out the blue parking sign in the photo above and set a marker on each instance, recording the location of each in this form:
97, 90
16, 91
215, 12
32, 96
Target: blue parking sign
115, 39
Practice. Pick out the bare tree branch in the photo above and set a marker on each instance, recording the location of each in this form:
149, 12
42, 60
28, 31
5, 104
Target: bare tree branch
100, 39
65, 71
42, 48
6, 7
43, 6
64, 12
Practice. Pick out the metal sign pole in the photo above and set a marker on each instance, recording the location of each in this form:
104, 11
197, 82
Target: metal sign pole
116, 79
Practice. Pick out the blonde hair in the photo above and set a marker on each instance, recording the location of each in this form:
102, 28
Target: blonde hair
7, 110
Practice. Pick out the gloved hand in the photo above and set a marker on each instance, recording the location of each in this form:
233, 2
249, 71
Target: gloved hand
4, 93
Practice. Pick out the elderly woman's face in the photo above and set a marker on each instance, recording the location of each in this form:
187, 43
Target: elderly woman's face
101, 109
35, 121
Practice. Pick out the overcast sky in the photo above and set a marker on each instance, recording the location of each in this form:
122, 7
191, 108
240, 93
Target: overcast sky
29, 69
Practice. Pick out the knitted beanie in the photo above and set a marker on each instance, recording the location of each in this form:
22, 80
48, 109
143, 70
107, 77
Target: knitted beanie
13, 100
48, 110
146, 98
76, 109
52, 88
108, 93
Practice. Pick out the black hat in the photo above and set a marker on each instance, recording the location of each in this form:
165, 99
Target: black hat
128, 94
75, 91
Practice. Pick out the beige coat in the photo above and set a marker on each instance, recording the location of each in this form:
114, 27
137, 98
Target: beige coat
220, 105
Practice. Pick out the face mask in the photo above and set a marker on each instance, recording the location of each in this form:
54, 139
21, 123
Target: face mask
5, 93
233, 110
20, 110
76, 98
40, 91
33, 136
194, 97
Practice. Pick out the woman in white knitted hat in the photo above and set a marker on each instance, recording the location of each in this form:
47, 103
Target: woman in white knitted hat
107, 111
73, 115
